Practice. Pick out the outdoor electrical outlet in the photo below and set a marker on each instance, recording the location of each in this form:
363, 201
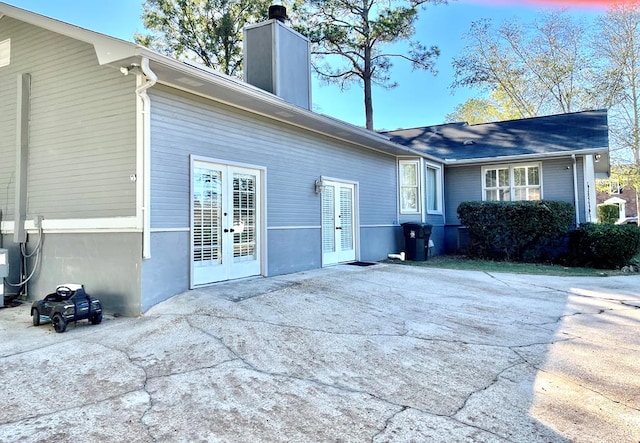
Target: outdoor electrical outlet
37, 221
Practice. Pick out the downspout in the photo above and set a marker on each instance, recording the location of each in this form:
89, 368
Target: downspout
145, 81
575, 189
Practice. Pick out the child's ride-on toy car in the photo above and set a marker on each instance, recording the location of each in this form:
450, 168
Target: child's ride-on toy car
68, 303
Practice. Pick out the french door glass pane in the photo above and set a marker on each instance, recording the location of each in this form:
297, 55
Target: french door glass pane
346, 219
328, 219
244, 217
207, 216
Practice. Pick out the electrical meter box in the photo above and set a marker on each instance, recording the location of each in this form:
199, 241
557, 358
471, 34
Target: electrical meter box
4, 263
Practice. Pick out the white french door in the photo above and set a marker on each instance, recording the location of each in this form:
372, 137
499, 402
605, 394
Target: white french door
225, 222
338, 222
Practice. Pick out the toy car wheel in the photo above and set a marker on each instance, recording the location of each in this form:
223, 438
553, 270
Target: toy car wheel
36, 317
59, 323
96, 319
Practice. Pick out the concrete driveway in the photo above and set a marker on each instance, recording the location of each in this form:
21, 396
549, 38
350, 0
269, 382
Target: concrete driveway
343, 354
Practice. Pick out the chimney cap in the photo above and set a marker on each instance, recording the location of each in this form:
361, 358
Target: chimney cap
278, 12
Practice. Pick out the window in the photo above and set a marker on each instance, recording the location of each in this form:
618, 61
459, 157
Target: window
409, 186
614, 187
512, 182
5, 52
434, 189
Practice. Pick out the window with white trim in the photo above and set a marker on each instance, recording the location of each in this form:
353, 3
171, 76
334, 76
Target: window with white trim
5, 52
433, 189
512, 182
409, 173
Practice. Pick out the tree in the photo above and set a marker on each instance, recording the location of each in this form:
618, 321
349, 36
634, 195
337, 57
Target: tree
617, 47
350, 38
540, 67
495, 107
207, 31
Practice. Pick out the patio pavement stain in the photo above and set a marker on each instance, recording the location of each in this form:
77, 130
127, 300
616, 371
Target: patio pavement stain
382, 353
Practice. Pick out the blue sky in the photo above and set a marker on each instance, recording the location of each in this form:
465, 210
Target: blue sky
420, 99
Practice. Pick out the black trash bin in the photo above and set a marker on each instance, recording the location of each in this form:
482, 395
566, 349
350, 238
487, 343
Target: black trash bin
416, 240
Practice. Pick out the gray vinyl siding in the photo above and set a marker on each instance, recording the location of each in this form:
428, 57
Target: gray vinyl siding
465, 184
461, 184
183, 124
557, 180
83, 127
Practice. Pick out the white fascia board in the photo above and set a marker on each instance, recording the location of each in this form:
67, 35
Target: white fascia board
107, 48
523, 157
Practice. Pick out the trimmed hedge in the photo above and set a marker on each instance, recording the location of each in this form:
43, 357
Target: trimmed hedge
603, 246
608, 214
529, 231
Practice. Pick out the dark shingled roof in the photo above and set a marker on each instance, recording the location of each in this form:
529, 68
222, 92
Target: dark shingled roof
552, 134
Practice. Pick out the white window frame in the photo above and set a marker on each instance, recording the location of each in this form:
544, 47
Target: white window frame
511, 187
614, 187
438, 183
417, 186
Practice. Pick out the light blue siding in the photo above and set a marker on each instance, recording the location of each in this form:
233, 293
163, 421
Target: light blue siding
293, 159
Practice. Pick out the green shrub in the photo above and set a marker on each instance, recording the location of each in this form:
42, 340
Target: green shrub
530, 231
608, 214
603, 246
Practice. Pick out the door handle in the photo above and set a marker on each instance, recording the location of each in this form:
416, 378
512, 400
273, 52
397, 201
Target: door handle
228, 230
338, 227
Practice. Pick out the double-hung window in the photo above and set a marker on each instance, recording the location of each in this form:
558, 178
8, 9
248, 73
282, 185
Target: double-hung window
512, 182
409, 172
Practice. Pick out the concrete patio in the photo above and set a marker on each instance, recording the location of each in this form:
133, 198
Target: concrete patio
342, 354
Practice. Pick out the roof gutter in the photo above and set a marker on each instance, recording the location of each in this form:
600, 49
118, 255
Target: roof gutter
144, 80
485, 160
238, 87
